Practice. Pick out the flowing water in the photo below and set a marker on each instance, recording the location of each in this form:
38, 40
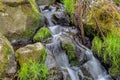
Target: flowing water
93, 66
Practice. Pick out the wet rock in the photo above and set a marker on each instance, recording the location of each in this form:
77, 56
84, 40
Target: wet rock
87, 75
55, 74
68, 45
20, 21
45, 2
12, 66
7, 62
81, 56
31, 52
50, 60
60, 18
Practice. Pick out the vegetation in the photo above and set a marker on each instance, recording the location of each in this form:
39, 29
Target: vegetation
33, 19
97, 45
69, 7
5, 52
104, 23
33, 71
112, 50
1, 6
35, 12
69, 48
109, 48
117, 2
42, 33
104, 18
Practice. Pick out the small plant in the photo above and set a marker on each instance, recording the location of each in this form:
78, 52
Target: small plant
42, 33
33, 71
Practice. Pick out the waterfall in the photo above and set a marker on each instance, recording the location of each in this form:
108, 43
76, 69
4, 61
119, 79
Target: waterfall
93, 66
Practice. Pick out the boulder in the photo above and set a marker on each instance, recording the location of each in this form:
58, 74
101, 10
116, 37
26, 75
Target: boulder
31, 52
45, 2
19, 21
8, 64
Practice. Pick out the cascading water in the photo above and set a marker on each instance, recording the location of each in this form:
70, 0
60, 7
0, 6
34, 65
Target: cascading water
60, 56
93, 66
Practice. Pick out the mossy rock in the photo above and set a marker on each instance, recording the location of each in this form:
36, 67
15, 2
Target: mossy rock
19, 22
33, 52
68, 45
41, 34
5, 51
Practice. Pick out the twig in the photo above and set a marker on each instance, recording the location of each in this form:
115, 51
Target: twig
98, 26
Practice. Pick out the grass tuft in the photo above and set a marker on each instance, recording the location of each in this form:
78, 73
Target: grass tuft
110, 50
33, 71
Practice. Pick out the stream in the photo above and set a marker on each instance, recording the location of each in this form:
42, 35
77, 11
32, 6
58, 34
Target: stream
58, 21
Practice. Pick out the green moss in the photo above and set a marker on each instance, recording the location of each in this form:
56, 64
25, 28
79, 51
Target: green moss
70, 51
5, 51
42, 33
33, 71
108, 18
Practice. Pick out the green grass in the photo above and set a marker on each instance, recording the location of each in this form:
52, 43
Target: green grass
23, 73
33, 71
69, 7
34, 6
110, 50
97, 45
42, 33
